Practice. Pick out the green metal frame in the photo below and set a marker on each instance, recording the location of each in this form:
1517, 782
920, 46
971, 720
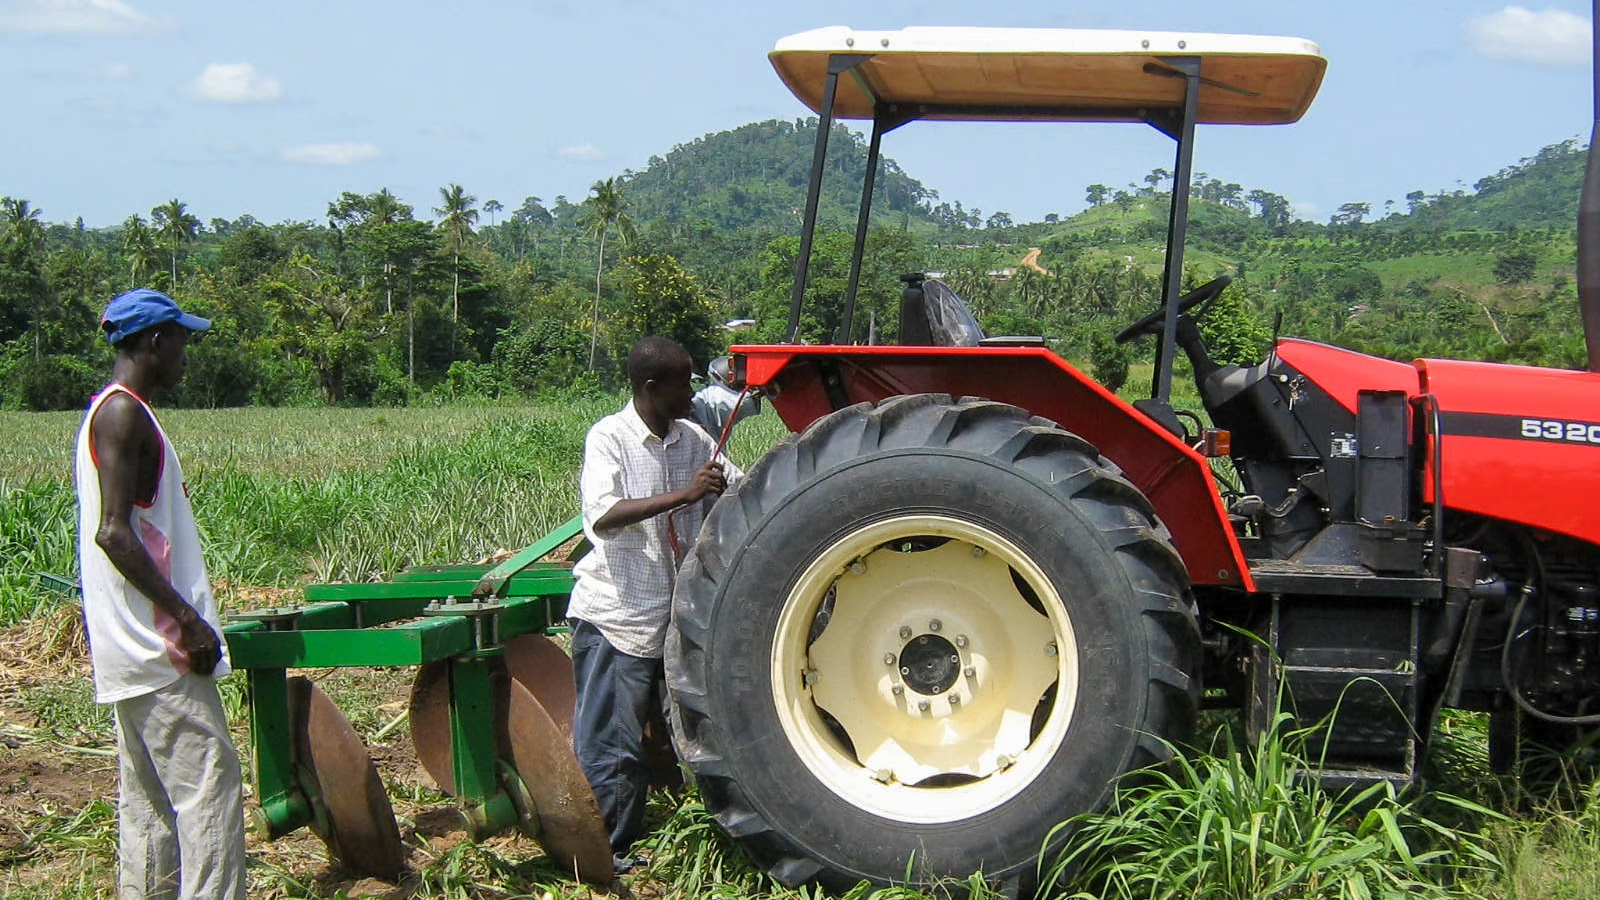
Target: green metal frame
458, 613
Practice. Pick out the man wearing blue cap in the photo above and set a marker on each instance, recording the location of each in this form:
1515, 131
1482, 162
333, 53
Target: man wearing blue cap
154, 630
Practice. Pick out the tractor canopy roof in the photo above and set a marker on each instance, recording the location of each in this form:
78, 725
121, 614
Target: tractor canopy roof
1169, 80
1051, 74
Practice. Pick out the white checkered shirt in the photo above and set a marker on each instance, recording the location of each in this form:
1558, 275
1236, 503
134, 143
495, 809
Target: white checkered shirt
624, 585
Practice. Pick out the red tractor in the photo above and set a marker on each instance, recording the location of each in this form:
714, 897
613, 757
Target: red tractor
975, 587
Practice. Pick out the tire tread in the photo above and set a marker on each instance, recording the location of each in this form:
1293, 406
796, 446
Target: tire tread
1059, 460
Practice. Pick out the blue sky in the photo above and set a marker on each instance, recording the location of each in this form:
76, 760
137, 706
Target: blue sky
115, 106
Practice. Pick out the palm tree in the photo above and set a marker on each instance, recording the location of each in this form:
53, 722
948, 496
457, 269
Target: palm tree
458, 219
22, 242
22, 220
139, 246
530, 216
491, 207
387, 208
606, 210
173, 222
24, 229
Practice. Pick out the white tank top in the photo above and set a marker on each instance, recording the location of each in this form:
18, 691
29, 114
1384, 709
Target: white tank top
133, 643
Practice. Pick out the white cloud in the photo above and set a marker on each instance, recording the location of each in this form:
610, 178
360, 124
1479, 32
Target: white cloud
343, 153
235, 83
113, 72
1553, 38
582, 153
72, 17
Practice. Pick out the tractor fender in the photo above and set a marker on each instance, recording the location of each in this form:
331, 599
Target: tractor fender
805, 383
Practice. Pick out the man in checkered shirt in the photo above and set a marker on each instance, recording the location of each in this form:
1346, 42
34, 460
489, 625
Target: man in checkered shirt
649, 477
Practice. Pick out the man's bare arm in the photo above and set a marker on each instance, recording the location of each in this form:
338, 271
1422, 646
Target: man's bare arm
708, 480
122, 433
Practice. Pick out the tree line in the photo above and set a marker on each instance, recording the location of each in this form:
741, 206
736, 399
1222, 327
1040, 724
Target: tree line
381, 302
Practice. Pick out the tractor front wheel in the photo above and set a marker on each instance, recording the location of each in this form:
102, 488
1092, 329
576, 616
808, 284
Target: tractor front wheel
921, 635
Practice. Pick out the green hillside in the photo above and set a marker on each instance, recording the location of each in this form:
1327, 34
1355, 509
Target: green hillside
754, 177
379, 304
1485, 274
1540, 191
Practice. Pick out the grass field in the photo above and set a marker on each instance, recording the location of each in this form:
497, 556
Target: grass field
287, 497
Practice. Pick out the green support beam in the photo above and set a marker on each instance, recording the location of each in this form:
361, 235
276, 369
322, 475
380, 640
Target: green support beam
427, 613
495, 582
408, 644
283, 807
472, 743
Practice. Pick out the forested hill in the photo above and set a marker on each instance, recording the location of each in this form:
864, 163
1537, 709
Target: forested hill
394, 299
1540, 191
754, 177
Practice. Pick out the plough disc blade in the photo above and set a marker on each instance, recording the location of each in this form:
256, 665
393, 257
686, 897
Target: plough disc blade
532, 659
570, 827
540, 752
545, 670
430, 723
353, 814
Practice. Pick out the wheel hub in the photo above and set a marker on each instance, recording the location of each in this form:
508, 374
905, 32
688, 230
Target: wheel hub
929, 664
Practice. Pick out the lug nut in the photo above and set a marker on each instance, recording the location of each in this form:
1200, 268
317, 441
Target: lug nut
897, 689
922, 706
955, 700
935, 624
888, 659
970, 672
905, 632
961, 640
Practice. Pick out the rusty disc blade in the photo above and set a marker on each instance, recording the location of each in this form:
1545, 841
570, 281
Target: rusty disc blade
570, 827
545, 670
430, 723
335, 771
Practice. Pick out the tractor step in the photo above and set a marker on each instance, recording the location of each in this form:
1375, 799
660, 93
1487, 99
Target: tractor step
1348, 671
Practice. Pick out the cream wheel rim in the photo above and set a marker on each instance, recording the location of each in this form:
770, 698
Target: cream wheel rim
924, 668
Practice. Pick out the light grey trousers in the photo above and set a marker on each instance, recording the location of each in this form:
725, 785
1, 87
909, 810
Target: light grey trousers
180, 807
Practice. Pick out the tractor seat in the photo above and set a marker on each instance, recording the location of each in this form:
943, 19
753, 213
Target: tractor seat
933, 315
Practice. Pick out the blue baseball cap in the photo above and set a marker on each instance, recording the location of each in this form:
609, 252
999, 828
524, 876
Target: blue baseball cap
133, 312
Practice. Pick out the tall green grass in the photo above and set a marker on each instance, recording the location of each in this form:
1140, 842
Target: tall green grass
1235, 824
286, 496
1553, 854
38, 534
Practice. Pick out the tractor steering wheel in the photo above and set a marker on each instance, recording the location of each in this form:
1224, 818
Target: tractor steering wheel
1205, 293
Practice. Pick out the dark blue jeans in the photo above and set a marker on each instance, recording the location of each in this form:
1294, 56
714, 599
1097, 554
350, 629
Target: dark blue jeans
615, 693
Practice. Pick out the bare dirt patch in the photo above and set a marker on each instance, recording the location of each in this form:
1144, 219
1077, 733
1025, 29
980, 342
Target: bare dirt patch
58, 779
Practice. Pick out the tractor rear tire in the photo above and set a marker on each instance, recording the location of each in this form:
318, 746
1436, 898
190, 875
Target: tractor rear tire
919, 636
